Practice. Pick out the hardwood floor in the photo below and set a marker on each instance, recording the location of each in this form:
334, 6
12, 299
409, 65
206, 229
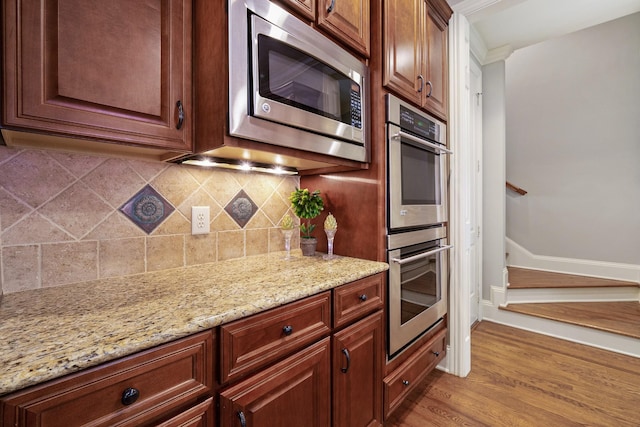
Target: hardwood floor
519, 378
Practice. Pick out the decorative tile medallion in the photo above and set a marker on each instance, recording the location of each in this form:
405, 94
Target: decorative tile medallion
147, 209
241, 208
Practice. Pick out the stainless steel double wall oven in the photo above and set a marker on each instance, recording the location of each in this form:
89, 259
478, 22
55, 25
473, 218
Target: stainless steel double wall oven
417, 249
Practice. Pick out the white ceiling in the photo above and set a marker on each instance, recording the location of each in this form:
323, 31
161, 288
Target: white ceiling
520, 23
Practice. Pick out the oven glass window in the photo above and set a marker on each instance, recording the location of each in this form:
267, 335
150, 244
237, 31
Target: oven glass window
419, 285
290, 76
420, 175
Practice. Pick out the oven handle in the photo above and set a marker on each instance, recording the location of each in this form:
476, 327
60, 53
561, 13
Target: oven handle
422, 255
401, 134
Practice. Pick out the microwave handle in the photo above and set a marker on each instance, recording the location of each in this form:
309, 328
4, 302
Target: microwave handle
420, 256
401, 134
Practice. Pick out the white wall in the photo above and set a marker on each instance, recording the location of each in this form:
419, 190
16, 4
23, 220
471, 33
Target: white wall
493, 189
573, 142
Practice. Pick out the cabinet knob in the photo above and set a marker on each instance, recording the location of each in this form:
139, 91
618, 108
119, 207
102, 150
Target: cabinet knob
363, 297
436, 353
180, 114
243, 420
287, 330
405, 382
129, 396
331, 6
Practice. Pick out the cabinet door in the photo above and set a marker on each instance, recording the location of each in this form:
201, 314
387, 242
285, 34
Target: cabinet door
200, 415
294, 392
403, 53
305, 8
117, 70
357, 381
348, 20
436, 64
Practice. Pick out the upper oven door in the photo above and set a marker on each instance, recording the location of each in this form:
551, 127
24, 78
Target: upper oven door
303, 85
417, 168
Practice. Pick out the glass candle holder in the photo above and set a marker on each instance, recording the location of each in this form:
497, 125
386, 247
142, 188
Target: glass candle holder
330, 235
287, 242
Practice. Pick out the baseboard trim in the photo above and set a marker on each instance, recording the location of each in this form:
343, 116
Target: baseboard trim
578, 334
521, 257
573, 295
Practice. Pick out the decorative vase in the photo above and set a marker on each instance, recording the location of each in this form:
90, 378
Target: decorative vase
287, 233
330, 235
308, 246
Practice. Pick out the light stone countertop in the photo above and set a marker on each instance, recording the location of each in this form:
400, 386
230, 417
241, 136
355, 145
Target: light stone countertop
47, 333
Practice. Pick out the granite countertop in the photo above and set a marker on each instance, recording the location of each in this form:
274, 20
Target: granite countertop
47, 333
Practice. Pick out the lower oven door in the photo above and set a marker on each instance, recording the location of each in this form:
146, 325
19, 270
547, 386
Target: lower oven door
417, 290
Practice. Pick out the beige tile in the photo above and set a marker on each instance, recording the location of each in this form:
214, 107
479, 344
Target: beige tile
165, 252
275, 208
78, 164
69, 263
175, 184
121, 257
260, 187
200, 249
20, 268
231, 244
199, 173
77, 210
148, 169
114, 181
8, 152
223, 222
200, 198
222, 186
11, 210
34, 177
259, 220
33, 228
115, 226
287, 186
257, 241
176, 223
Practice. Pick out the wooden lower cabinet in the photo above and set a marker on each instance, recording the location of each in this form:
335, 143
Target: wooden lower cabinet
357, 368
201, 415
293, 392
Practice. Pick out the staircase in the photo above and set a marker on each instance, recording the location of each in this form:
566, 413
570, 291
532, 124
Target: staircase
599, 312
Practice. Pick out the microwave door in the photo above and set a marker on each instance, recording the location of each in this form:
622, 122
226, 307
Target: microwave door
292, 85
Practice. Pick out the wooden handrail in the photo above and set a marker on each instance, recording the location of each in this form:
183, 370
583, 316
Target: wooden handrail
518, 190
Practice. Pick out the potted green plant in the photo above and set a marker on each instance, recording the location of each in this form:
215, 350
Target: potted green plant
306, 205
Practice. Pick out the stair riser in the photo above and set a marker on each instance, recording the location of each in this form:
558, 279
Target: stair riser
572, 295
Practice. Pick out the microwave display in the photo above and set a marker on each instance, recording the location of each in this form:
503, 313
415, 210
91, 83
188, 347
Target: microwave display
290, 76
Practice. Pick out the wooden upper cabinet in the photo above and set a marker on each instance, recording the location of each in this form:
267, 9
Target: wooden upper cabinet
415, 52
348, 20
116, 71
305, 8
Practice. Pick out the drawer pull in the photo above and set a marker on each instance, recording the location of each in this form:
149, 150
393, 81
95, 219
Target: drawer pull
180, 109
405, 382
287, 330
363, 297
436, 353
243, 420
129, 396
348, 357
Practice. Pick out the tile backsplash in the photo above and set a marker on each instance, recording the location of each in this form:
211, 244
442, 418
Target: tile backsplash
61, 220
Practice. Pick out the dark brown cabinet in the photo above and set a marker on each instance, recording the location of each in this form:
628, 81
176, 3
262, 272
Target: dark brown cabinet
168, 384
415, 52
117, 71
294, 392
346, 20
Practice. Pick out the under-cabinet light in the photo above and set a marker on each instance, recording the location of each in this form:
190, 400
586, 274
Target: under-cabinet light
240, 165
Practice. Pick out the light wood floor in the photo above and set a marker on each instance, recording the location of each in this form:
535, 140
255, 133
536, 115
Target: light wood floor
519, 378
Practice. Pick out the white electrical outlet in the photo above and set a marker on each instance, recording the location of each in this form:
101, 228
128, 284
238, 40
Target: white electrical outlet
200, 220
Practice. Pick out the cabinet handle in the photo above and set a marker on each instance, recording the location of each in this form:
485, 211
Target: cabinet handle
287, 330
363, 297
405, 383
243, 420
129, 396
421, 83
436, 353
430, 88
348, 356
180, 114
331, 6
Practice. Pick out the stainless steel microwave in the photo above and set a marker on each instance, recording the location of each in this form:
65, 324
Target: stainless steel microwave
291, 86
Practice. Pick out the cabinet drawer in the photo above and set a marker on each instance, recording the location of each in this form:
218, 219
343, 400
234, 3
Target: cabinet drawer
163, 379
256, 341
408, 375
357, 299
